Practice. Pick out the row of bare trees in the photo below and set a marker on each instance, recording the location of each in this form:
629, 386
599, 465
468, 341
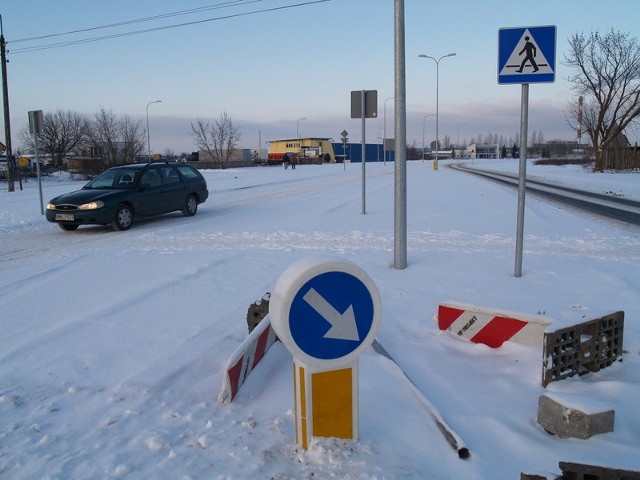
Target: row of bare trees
607, 75
114, 139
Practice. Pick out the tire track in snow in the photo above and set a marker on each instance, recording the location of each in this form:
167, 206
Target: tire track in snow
102, 314
596, 247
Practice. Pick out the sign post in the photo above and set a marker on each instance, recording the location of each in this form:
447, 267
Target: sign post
525, 55
35, 127
364, 104
326, 313
345, 139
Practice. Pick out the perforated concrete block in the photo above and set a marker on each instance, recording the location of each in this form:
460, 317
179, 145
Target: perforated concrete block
567, 415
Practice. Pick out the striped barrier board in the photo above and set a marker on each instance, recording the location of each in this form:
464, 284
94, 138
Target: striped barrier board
489, 326
245, 358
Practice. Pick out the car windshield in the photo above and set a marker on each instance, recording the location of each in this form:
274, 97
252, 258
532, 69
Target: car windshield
120, 178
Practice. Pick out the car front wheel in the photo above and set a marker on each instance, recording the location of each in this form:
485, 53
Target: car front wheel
190, 206
123, 217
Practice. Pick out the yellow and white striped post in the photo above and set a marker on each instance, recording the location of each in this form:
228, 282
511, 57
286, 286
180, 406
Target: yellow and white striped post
326, 402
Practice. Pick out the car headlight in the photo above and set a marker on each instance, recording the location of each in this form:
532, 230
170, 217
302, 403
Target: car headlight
51, 206
91, 205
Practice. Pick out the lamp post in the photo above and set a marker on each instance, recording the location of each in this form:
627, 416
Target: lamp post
435, 161
384, 149
423, 122
459, 125
297, 127
148, 134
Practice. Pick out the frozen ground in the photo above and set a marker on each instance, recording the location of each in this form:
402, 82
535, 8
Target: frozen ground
112, 343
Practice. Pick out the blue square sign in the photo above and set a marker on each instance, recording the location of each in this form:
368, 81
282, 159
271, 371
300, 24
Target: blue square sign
527, 55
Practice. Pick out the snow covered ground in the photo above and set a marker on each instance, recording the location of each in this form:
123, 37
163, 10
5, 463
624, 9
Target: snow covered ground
112, 344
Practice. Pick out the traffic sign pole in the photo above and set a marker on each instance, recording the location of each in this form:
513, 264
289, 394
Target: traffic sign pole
345, 138
364, 104
524, 124
326, 313
364, 150
35, 126
525, 55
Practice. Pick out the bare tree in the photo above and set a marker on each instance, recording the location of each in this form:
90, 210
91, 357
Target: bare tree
117, 139
541, 142
219, 140
62, 133
608, 67
133, 136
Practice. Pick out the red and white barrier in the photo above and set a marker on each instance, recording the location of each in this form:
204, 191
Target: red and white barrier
245, 358
491, 327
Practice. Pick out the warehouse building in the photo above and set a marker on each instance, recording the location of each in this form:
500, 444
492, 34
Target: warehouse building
307, 150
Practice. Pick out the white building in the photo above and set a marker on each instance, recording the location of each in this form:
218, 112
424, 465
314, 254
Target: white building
476, 150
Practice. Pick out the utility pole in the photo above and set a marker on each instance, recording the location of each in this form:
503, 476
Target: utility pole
5, 98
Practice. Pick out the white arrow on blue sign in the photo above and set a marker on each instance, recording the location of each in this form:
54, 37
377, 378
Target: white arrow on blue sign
325, 312
527, 55
343, 325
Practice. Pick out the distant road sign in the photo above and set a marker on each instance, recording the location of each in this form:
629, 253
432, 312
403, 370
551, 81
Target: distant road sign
527, 55
370, 103
325, 312
35, 122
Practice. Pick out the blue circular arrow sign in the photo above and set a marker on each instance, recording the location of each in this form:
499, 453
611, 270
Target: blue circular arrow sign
331, 315
325, 313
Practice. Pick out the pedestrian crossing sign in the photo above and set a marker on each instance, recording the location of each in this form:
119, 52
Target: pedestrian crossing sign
527, 55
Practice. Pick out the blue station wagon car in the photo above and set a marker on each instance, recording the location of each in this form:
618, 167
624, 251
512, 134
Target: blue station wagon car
122, 194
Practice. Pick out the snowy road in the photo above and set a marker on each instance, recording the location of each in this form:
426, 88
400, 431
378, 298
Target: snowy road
608, 205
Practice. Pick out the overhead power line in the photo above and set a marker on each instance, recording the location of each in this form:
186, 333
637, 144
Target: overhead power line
217, 6
36, 48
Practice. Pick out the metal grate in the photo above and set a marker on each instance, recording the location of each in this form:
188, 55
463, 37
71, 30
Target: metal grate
583, 348
577, 471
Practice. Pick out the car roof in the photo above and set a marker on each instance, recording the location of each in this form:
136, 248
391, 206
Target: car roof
137, 166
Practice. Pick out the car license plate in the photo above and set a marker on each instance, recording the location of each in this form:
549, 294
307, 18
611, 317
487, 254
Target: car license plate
67, 217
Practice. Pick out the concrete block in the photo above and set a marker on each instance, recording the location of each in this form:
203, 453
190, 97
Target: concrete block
567, 415
535, 476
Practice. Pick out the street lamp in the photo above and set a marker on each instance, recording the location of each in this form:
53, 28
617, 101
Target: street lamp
297, 127
423, 122
148, 135
384, 150
435, 161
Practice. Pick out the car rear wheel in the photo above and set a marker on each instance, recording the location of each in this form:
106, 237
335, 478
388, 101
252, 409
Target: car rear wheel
68, 227
190, 206
123, 217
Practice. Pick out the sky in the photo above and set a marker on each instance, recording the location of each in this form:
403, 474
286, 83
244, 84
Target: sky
113, 344
271, 63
